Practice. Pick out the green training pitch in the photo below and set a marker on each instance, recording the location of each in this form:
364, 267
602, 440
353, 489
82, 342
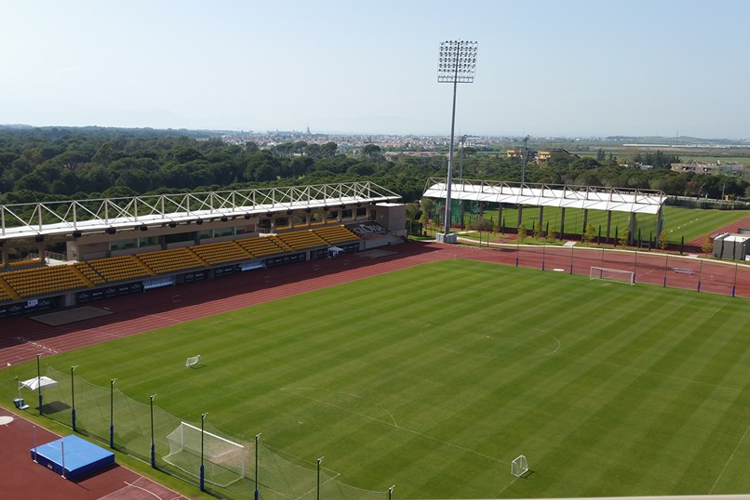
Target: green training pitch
435, 378
687, 223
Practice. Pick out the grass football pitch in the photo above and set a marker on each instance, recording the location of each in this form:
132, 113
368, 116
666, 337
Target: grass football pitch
687, 223
435, 378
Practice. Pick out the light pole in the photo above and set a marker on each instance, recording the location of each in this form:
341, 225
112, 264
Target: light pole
257, 438
317, 487
203, 470
390, 492
112, 412
461, 141
456, 64
73, 398
153, 446
525, 157
39, 381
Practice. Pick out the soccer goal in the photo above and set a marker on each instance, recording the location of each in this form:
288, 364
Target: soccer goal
224, 460
519, 466
605, 273
193, 361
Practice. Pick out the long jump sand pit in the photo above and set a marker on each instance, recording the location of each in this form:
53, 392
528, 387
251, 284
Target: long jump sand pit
70, 315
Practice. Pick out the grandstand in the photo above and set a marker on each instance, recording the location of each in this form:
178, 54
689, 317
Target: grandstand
114, 269
44, 280
220, 253
302, 240
107, 254
171, 261
263, 247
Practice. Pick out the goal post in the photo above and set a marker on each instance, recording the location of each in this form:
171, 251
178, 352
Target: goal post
193, 361
519, 466
225, 459
609, 274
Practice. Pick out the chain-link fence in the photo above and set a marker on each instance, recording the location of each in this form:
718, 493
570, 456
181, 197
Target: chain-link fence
108, 415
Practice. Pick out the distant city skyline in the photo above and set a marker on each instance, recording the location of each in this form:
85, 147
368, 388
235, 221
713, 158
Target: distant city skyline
572, 68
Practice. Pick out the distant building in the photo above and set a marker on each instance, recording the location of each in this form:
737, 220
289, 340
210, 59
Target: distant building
731, 169
539, 156
518, 153
545, 156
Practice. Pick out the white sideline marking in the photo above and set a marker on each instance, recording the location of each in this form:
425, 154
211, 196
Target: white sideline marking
36, 344
393, 420
553, 351
729, 460
416, 433
143, 489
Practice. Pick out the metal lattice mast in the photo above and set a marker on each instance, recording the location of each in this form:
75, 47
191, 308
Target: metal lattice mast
456, 64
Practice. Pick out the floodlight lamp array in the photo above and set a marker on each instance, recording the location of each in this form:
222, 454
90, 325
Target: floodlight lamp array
457, 61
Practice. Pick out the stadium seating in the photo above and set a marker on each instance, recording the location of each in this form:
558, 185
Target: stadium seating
169, 261
90, 273
120, 268
302, 240
25, 263
220, 253
44, 280
263, 246
30, 281
6, 292
336, 234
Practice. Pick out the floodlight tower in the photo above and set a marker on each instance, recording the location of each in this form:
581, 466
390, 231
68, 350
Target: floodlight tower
456, 64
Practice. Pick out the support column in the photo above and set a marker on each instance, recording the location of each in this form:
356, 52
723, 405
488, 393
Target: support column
659, 221
609, 223
4, 252
585, 220
520, 215
481, 209
41, 248
562, 222
632, 223
541, 218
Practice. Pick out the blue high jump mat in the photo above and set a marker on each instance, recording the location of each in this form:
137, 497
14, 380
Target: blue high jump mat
72, 457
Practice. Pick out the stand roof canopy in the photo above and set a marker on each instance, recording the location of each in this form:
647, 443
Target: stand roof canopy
638, 201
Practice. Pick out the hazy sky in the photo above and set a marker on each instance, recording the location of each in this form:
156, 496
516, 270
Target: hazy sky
556, 67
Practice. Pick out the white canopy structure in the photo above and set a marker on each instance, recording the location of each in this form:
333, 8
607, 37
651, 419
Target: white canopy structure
635, 201
37, 382
78, 217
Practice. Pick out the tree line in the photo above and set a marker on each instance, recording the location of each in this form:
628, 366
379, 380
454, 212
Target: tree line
56, 163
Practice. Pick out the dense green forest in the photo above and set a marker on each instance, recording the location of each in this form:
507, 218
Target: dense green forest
54, 163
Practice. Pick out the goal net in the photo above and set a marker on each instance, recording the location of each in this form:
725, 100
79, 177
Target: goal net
224, 460
519, 466
193, 361
605, 273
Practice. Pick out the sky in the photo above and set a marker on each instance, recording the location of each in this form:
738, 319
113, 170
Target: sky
572, 68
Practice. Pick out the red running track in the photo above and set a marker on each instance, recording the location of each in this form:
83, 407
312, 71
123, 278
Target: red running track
729, 228
22, 338
22, 478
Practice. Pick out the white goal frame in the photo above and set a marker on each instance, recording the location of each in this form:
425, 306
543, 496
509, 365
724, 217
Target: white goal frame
185, 454
609, 274
193, 361
519, 466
